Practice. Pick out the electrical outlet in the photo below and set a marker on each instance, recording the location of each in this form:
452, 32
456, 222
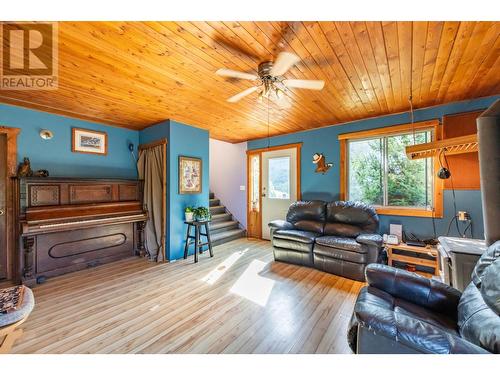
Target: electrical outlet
463, 216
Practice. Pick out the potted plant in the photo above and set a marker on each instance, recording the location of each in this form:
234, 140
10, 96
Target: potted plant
202, 213
189, 212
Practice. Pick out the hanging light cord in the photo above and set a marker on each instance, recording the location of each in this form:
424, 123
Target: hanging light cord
412, 118
268, 129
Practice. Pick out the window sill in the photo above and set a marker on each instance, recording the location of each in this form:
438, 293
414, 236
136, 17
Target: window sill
416, 212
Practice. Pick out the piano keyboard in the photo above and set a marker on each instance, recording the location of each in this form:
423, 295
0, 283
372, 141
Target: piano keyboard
90, 221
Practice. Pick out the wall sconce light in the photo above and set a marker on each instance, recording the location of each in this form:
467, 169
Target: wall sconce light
46, 134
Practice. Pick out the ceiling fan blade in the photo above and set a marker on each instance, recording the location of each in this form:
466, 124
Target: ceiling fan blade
287, 29
241, 95
284, 61
235, 74
237, 48
304, 84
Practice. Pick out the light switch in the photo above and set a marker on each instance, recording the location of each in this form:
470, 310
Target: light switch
242, 187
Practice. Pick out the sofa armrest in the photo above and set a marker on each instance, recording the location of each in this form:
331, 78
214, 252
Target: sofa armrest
374, 243
414, 288
280, 224
370, 239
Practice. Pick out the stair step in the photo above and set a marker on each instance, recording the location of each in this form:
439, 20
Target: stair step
217, 210
211, 195
221, 217
220, 226
226, 236
214, 202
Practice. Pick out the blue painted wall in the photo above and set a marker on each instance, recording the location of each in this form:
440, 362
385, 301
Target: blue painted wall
326, 187
182, 140
55, 154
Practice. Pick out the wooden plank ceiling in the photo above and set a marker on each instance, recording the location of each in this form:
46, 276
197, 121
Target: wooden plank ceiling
134, 74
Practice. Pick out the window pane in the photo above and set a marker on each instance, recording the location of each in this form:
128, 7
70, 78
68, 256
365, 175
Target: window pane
279, 178
254, 188
366, 171
407, 180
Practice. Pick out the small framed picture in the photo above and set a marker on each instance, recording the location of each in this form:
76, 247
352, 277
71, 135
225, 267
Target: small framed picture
89, 141
190, 175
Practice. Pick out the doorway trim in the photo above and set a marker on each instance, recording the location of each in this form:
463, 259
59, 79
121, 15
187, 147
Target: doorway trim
259, 151
10, 205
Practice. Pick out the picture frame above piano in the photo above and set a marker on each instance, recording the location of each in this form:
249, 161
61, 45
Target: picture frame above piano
89, 141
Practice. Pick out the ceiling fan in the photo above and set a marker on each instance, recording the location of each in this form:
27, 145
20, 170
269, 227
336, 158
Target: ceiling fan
269, 81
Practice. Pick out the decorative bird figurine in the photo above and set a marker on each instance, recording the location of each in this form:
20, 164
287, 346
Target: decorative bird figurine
321, 165
24, 169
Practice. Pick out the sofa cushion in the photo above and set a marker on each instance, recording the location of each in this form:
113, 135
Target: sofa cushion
358, 217
332, 252
343, 243
477, 322
491, 254
342, 230
490, 286
295, 235
293, 245
310, 226
294, 256
341, 267
307, 215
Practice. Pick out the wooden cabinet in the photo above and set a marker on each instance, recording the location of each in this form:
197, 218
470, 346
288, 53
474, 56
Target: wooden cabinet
406, 254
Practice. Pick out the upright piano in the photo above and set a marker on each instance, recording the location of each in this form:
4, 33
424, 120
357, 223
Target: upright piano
67, 224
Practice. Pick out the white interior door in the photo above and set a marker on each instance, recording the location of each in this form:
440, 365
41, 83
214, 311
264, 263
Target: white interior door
279, 185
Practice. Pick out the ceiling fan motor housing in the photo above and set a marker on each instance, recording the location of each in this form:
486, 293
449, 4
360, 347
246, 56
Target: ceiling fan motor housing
265, 69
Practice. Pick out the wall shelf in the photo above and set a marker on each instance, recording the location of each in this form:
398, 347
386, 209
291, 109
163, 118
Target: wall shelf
451, 146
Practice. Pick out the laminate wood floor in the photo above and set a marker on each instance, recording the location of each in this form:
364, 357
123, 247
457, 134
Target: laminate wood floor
240, 301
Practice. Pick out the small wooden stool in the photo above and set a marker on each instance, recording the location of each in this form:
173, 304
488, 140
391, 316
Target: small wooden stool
198, 245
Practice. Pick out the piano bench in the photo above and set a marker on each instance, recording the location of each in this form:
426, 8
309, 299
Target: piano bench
16, 304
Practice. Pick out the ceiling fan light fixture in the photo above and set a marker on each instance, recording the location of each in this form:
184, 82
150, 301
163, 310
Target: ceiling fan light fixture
270, 82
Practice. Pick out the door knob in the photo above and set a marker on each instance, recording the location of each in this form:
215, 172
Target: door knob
2, 211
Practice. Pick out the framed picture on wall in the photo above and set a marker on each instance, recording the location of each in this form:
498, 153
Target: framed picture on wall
190, 175
89, 141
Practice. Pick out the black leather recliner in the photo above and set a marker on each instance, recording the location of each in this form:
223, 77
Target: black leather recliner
401, 312
337, 237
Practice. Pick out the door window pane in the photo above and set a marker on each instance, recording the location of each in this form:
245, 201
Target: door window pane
279, 177
366, 171
254, 183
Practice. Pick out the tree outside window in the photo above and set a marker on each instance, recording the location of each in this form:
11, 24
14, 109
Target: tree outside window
381, 174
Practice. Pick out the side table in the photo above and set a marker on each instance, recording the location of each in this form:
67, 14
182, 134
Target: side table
198, 245
407, 255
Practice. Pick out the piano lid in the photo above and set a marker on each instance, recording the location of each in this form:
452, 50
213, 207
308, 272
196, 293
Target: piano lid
51, 192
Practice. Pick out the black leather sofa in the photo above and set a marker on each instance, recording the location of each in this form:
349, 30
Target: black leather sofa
401, 312
336, 237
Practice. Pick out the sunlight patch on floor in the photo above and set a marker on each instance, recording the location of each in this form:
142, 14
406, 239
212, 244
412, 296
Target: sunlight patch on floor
252, 286
218, 271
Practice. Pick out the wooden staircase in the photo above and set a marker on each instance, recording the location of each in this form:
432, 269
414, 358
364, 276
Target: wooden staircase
223, 227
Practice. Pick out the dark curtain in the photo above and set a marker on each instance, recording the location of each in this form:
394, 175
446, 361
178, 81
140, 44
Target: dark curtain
151, 169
